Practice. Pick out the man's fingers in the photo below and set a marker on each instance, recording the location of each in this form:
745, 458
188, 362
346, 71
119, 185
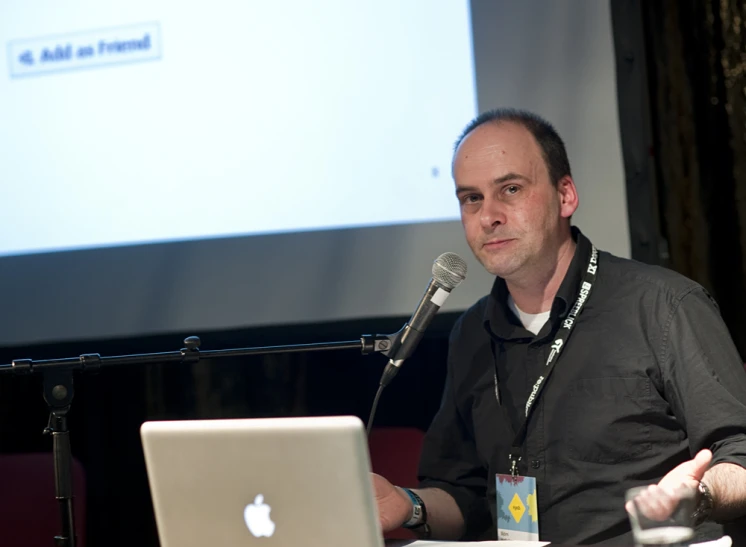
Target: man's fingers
656, 504
700, 463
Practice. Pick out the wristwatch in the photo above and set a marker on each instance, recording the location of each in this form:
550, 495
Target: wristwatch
418, 520
704, 504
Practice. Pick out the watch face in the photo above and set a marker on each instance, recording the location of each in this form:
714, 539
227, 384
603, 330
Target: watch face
704, 503
705, 491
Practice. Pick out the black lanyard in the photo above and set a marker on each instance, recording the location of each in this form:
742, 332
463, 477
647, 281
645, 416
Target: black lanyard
563, 334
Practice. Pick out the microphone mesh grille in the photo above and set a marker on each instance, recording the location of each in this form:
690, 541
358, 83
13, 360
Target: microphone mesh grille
449, 269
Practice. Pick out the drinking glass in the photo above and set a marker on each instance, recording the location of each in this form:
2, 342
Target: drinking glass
661, 517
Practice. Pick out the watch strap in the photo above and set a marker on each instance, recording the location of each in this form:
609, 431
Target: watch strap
418, 520
704, 504
419, 512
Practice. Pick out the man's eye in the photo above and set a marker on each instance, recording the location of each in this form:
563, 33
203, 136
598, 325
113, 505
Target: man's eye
470, 198
512, 189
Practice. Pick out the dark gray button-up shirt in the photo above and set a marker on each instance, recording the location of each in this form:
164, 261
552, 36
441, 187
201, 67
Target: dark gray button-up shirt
648, 377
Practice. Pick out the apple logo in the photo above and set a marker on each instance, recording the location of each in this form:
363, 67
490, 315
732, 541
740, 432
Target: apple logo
256, 516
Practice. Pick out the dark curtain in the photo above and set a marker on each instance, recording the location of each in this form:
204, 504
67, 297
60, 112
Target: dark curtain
696, 57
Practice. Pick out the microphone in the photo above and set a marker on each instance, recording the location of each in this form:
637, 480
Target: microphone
449, 269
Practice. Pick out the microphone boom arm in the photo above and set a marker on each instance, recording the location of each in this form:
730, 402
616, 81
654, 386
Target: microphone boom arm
380, 343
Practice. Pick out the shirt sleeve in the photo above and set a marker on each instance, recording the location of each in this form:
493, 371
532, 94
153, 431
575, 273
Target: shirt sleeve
449, 462
704, 378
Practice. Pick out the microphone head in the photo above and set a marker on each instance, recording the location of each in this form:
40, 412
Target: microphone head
449, 269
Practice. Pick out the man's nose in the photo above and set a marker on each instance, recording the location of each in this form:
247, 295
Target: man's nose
492, 214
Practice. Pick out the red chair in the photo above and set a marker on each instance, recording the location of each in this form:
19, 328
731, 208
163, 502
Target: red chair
29, 512
395, 455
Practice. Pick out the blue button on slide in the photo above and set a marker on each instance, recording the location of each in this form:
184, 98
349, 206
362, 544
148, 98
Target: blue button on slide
33, 56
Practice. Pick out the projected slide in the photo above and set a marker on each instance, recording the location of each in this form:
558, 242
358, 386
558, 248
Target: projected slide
162, 120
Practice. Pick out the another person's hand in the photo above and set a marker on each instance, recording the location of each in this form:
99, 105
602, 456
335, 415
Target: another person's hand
394, 506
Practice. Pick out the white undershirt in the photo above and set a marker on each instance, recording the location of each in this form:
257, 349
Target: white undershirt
531, 321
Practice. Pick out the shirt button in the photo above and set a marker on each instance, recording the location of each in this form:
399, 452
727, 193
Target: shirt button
535, 464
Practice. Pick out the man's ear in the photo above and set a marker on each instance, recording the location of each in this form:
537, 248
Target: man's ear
568, 195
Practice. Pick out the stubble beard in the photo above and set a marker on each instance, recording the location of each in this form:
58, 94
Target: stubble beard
504, 264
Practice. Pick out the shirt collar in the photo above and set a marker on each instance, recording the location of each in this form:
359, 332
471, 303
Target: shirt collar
502, 323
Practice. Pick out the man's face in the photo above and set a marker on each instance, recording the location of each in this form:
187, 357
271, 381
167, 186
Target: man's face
514, 218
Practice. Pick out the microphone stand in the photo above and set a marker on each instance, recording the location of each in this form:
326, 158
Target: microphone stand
59, 391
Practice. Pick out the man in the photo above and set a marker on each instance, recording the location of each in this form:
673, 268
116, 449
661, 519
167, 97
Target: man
647, 388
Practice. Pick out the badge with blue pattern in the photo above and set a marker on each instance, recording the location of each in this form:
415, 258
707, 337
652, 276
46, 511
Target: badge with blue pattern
517, 513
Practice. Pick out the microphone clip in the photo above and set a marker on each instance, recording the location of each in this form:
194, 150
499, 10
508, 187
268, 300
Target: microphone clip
379, 343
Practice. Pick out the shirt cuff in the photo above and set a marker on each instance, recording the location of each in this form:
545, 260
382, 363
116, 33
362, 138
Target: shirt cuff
730, 450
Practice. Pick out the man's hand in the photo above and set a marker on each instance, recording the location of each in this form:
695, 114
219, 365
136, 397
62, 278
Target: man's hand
687, 474
659, 501
394, 506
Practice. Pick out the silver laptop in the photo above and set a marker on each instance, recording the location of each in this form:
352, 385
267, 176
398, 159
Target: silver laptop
276, 482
